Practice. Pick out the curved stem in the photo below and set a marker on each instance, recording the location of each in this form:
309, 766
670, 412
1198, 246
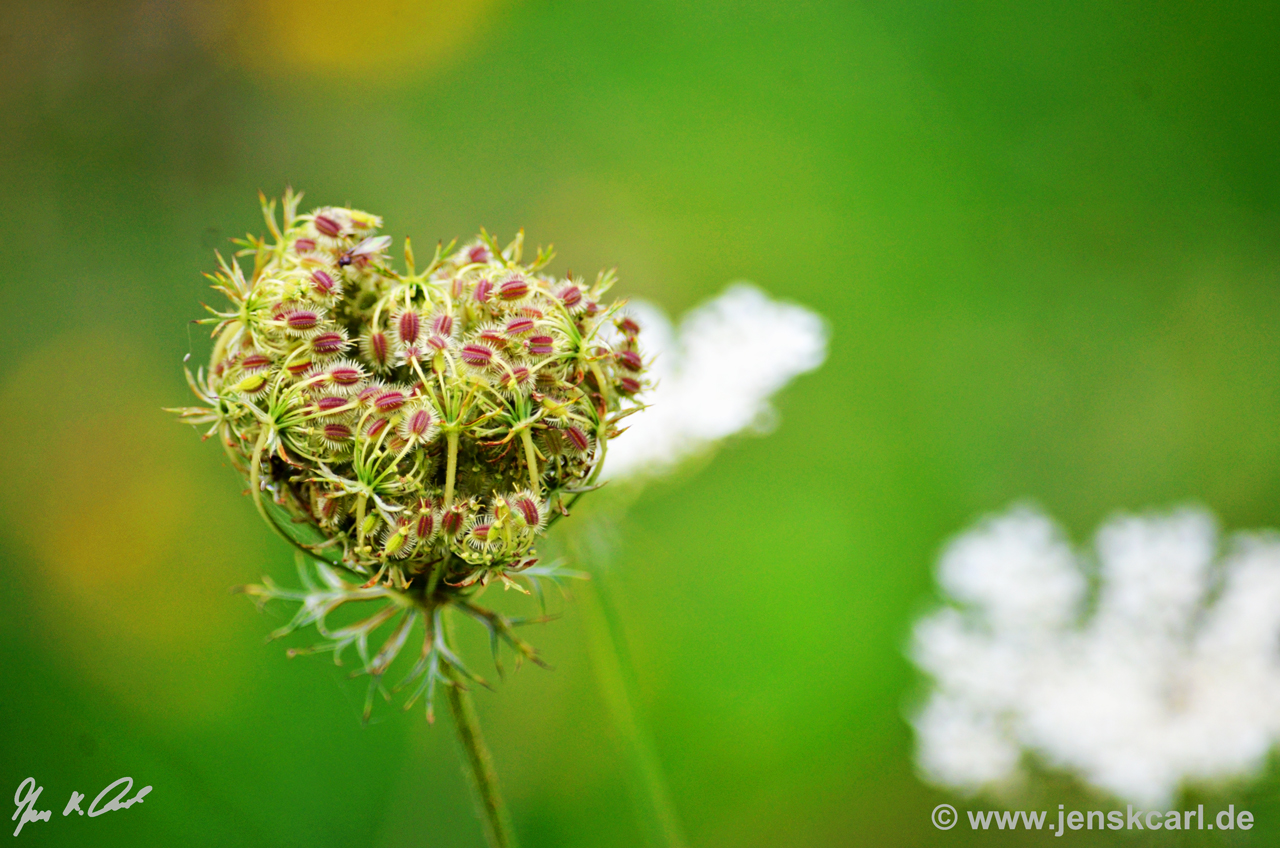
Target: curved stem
488, 797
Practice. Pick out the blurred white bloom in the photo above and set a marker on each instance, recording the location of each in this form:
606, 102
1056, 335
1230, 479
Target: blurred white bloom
714, 377
1168, 672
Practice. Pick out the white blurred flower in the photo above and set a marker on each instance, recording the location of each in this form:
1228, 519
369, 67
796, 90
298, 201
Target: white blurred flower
714, 377
1166, 673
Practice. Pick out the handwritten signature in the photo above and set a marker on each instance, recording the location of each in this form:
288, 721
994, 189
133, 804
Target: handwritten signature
29, 793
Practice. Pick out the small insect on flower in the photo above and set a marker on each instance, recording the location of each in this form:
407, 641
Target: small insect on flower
371, 246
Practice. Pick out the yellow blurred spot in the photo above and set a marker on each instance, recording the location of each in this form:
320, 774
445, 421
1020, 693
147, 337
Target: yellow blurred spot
366, 42
100, 498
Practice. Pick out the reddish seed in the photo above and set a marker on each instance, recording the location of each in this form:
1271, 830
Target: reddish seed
301, 367
327, 343
529, 510
304, 245
451, 522
408, 326
514, 289
379, 348
629, 385
438, 342
629, 359
324, 282
628, 325
479, 253
443, 325
519, 326
375, 427
578, 438
337, 432
571, 296
455, 288
426, 525
345, 375
477, 355
481, 531
328, 404
255, 362
493, 336
328, 226
483, 288
541, 345
389, 401
530, 312
419, 422
367, 394
302, 319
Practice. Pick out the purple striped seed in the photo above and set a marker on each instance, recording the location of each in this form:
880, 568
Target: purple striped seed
324, 282
426, 525
451, 521
629, 359
628, 325
300, 367
379, 348
337, 432
255, 362
304, 245
328, 226
389, 401
375, 427
578, 438
529, 511
628, 385
419, 423
328, 343
541, 345
477, 355
408, 325
329, 404
442, 325
514, 289
519, 326
479, 253
570, 296
345, 375
302, 319
483, 288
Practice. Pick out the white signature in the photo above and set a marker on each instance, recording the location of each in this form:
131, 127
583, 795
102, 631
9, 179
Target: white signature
28, 793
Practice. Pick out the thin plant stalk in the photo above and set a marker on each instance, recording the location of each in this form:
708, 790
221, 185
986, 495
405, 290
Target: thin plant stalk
615, 679
479, 763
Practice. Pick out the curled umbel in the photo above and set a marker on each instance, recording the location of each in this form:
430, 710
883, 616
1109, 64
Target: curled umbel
415, 426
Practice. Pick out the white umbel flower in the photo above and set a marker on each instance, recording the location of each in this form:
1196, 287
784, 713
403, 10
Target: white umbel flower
714, 376
1171, 676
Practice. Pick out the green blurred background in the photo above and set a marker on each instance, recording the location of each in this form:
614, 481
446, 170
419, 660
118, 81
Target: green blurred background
1044, 236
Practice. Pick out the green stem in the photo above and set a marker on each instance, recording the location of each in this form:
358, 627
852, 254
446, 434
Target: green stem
531, 459
488, 797
451, 470
604, 642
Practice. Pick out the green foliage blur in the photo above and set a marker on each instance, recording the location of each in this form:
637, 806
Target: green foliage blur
1046, 238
